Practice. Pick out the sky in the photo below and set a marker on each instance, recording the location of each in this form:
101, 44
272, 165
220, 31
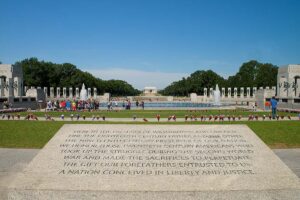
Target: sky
151, 42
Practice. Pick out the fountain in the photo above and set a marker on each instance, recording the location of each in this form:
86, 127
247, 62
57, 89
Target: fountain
83, 93
217, 96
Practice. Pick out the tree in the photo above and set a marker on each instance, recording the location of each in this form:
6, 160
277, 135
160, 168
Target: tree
194, 83
46, 74
250, 74
266, 75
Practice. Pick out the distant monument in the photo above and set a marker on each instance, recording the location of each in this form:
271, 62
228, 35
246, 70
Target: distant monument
150, 91
83, 93
217, 96
11, 89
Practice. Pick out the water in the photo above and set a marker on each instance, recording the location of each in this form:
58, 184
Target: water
167, 105
83, 93
217, 96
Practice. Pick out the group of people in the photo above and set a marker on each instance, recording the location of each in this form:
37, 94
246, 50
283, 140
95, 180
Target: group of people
72, 105
125, 104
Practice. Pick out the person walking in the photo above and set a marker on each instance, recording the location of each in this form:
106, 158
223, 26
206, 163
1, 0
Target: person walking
274, 107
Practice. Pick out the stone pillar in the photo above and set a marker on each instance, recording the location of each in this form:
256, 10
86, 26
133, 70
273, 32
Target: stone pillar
248, 92
10, 87
2, 85
39, 87
95, 93
223, 93
242, 92
193, 97
58, 92
77, 92
25, 89
254, 91
89, 92
280, 85
267, 88
64, 92
211, 92
46, 91
32, 87
205, 92
274, 89
235, 92
71, 93
229, 92
290, 93
51, 92
261, 88
18, 86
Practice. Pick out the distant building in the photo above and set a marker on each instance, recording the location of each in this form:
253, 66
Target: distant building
149, 91
288, 81
11, 89
11, 80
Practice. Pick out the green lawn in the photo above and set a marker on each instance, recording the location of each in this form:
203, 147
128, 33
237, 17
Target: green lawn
35, 134
153, 113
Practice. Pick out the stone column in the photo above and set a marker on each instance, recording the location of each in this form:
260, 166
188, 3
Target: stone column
274, 89
46, 91
32, 87
223, 92
58, 92
291, 93
95, 93
2, 85
77, 92
205, 92
10, 87
193, 97
71, 93
39, 87
254, 91
18, 86
235, 92
25, 89
51, 92
242, 92
267, 88
248, 92
89, 92
229, 92
211, 93
280, 85
64, 92
261, 88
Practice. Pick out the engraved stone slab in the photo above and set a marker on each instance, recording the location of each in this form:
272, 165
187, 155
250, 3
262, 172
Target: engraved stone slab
155, 162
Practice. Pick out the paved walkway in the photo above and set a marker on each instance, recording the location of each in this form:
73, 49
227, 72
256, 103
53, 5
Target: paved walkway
15, 160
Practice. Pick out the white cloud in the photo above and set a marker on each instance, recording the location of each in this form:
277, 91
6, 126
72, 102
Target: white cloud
138, 78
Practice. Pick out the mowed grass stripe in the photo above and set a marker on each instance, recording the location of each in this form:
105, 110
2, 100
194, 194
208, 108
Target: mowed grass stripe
35, 134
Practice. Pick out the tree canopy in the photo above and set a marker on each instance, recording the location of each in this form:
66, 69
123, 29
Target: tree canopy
194, 83
250, 74
48, 74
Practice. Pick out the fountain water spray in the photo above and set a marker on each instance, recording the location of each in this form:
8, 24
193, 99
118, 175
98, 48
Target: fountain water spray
83, 93
217, 96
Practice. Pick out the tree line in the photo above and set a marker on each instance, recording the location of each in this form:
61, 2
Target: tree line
48, 74
250, 74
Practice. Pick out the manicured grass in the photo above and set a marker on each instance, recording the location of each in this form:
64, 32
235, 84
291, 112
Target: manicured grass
35, 134
153, 113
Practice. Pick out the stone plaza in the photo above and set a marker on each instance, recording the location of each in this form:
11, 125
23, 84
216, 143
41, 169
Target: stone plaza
155, 162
